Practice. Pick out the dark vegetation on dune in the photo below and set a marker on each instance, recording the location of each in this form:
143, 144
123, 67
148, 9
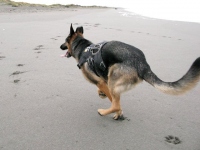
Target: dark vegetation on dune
19, 4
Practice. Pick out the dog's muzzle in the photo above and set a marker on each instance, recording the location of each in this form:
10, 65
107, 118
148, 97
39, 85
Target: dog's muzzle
64, 47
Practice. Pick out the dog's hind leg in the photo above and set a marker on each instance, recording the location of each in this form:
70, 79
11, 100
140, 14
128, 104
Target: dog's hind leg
121, 78
115, 106
118, 115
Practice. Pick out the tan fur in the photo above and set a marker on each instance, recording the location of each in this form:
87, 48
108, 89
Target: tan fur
120, 79
90, 76
69, 44
102, 85
79, 33
178, 91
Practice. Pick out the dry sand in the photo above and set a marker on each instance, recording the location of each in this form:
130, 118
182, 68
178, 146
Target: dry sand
46, 104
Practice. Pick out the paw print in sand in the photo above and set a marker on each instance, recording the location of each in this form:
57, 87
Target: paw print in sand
172, 139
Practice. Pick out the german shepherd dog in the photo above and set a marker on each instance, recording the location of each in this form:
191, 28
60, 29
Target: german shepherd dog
126, 66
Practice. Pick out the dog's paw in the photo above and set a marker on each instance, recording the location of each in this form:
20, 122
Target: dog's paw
119, 115
102, 112
101, 94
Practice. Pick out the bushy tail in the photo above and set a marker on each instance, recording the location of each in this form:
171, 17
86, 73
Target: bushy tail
187, 82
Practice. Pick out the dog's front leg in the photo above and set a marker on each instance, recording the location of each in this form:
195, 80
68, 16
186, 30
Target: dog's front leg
103, 90
101, 94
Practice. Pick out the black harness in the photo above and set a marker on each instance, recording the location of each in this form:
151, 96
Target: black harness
92, 55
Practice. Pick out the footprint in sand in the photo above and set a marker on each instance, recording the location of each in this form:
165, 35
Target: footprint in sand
55, 38
17, 73
16, 81
39, 47
20, 65
96, 25
2, 57
172, 139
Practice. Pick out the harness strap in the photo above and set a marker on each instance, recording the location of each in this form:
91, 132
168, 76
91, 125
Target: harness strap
92, 55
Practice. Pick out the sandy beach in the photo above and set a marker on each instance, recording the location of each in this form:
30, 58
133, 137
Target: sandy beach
46, 104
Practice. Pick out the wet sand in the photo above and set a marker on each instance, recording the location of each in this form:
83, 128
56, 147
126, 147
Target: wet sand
46, 104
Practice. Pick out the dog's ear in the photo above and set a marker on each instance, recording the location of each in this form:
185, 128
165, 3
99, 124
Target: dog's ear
79, 30
71, 30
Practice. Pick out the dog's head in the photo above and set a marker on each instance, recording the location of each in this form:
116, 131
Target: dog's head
69, 40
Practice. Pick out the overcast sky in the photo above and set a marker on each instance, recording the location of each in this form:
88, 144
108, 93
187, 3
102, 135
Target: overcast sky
164, 9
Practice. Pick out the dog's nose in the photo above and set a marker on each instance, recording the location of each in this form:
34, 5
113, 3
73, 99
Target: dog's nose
63, 47
60, 46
